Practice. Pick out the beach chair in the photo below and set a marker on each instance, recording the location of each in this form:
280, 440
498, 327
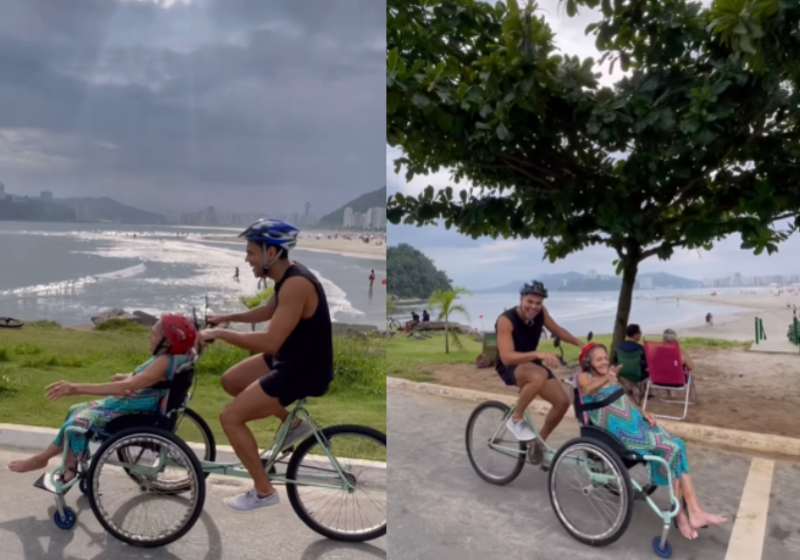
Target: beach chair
632, 376
666, 372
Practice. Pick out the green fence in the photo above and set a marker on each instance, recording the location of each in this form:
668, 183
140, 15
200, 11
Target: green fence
760, 334
794, 332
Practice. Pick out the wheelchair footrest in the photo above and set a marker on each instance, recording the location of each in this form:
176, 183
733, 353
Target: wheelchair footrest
43, 483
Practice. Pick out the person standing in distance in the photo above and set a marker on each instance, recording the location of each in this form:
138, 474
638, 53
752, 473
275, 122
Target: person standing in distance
295, 357
520, 364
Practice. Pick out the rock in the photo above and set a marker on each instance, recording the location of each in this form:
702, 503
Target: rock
455, 327
350, 329
139, 317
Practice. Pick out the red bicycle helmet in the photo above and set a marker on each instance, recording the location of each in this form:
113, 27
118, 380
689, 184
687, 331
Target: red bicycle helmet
179, 332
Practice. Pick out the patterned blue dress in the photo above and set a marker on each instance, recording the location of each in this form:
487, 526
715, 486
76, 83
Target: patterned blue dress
95, 415
627, 424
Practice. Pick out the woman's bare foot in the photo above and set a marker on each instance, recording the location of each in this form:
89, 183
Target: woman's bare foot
702, 519
685, 527
26, 465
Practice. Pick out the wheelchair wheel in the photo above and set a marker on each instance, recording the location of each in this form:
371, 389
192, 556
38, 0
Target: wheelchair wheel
355, 515
590, 491
123, 503
190, 427
481, 428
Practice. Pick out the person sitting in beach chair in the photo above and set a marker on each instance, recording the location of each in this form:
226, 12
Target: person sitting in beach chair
630, 355
172, 344
639, 432
670, 369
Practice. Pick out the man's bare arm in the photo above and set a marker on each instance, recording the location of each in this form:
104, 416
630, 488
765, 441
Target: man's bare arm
294, 294
505, 345
559, 332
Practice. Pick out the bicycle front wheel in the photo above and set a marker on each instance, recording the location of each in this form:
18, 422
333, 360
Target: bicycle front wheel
495, 454
317, 491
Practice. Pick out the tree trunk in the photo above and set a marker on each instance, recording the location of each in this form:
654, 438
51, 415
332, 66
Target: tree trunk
446, 335
625, 299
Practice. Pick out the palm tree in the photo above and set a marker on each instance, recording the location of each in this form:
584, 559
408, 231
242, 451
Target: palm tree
445, 301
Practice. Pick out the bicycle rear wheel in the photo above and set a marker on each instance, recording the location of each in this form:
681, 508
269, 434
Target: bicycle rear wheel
482, 430
361, 455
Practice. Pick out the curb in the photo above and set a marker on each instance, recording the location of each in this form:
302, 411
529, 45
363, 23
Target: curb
710, 435
37, 438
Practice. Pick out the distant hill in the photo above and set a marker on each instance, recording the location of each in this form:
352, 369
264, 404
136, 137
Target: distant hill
107, 209
374, 199
576, 282
26, 209
411, 274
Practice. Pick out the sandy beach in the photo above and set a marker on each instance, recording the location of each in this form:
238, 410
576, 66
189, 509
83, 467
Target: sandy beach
340, 246
741, 326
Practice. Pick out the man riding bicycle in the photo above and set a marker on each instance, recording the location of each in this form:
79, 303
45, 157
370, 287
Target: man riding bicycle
520, 364
295, 357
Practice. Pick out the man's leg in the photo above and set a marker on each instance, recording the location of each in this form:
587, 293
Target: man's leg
242, 375
553, 393
251, 404
529, 378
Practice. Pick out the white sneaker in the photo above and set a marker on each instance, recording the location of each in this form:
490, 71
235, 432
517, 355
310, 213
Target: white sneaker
521, 430
250, 500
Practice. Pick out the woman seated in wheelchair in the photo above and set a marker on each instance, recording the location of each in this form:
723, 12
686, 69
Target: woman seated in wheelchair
172, 343
639, 432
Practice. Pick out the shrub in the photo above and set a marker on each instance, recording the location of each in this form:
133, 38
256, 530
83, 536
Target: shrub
45, 325
793, 333
27, 349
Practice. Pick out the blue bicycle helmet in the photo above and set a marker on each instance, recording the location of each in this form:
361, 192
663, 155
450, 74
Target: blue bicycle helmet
535, 288
272, 233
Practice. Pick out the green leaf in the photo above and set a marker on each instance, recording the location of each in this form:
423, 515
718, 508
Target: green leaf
502, 132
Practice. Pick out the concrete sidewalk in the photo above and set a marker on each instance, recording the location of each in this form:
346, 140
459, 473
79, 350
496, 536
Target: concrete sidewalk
27, 530
440, 508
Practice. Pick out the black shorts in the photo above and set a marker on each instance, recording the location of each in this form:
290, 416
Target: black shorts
509, 377
288, 384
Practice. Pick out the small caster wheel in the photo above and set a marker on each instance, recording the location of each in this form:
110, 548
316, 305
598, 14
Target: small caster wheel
84, 487
66, 522
665, 552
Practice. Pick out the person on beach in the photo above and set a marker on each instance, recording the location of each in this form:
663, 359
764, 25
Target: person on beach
639, 432
371, 278
172, 344
671, 336
236, 274
520, 364
294, 357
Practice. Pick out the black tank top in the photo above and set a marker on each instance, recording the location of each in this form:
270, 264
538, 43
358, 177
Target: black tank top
526, 337
310, 345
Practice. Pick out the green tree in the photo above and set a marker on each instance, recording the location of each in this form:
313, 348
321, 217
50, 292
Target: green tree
699, 141
445, 301
411, 274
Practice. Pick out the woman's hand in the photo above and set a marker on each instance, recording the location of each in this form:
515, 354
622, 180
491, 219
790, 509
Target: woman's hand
60, 389
612, 373
650, 418
120, 377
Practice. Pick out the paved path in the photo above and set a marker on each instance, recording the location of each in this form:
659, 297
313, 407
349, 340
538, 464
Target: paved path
27, 531
439, 508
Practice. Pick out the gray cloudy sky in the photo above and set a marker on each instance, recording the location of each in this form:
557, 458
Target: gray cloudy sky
178, 104
485, 263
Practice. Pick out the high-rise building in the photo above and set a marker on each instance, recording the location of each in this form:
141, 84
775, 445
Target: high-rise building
47, 195
348, 217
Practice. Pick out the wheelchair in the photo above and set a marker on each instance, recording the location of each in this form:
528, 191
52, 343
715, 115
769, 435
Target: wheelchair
140, 447
605, 464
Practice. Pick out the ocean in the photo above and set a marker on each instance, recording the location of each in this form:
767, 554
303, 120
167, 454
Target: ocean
71, 272
581, 312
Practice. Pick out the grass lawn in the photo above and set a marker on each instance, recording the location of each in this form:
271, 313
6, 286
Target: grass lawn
35, 356
413, 359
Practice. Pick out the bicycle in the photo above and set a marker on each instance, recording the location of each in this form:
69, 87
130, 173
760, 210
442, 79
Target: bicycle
602, 458
161, 449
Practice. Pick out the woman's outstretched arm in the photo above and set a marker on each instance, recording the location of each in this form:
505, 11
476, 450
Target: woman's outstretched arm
154, 373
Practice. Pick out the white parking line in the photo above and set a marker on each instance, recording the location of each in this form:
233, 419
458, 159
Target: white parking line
750, 527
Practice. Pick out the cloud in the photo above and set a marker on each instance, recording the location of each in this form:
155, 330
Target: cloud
486, 262
193, 102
